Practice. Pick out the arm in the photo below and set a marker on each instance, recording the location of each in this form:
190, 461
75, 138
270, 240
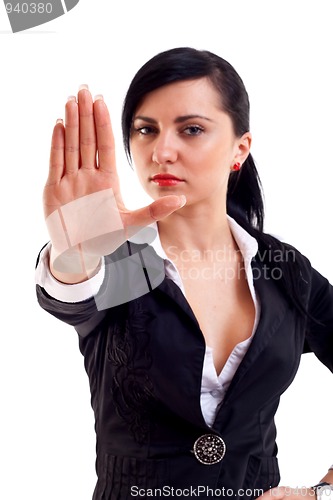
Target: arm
319, 330
319, 340
328, 478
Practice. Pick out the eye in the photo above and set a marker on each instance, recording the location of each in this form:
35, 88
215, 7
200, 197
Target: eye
145, 130
193, 130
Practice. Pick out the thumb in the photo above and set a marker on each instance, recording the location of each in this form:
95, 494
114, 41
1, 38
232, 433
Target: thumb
166, 206
155, 211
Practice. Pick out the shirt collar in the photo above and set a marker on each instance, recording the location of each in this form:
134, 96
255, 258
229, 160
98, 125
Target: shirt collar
247, 245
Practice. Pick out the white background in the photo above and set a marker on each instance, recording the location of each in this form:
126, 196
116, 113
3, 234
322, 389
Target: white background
283, 51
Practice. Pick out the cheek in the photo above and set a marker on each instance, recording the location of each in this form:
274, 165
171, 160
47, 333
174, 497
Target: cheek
211, 159
137, 161
139, 172
140, 156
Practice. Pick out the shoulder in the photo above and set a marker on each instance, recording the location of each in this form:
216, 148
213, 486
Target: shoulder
291, 270
273, 250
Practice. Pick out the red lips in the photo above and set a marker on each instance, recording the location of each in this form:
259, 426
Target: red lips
165, 176
166, 179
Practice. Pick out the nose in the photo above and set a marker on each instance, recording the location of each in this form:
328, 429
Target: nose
165, 149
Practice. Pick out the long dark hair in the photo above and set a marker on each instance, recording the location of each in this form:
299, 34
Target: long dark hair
245, 195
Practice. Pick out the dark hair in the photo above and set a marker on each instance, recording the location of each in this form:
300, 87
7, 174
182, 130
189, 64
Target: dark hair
244, 196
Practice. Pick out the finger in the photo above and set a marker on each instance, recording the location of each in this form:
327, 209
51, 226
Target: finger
104, 135
86, 129
156, 211
57, 158
72, 155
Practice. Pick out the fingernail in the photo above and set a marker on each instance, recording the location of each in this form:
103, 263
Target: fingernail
182, 200
71, 98
98, 97
59, 120
84, 86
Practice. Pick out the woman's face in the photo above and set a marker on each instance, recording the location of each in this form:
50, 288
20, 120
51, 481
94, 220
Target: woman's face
183, 143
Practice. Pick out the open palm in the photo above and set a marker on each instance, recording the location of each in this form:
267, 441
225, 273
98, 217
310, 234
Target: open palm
82, 169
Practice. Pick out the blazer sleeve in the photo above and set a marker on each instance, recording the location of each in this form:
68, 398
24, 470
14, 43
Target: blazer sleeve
319, 328
131, 271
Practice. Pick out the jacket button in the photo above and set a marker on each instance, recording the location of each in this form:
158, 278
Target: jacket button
209, 449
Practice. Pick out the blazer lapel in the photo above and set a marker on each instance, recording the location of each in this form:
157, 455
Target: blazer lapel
272, 311
174, 292
193, 355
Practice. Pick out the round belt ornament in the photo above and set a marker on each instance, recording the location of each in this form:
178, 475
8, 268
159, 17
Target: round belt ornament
209, 449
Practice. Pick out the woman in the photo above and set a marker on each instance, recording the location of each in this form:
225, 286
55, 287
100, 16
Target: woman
192, 328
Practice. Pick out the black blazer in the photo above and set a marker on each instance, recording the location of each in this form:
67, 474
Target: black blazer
144, 360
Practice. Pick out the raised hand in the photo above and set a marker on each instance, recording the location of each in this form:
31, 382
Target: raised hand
85, 214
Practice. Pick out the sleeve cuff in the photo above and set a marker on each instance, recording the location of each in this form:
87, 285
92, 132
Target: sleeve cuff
64, 292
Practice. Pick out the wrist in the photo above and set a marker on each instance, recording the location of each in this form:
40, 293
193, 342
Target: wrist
73, 267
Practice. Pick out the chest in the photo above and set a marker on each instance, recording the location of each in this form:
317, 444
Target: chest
223, 306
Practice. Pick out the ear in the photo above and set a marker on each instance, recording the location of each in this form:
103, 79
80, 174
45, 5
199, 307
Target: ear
243, 146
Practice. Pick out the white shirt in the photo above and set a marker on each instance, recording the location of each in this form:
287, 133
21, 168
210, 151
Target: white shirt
213, 386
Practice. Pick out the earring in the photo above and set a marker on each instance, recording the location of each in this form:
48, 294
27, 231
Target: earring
236, 167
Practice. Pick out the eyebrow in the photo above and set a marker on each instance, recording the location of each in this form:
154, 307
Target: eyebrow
179, 119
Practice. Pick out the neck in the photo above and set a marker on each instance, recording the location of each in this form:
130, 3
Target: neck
200, 228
